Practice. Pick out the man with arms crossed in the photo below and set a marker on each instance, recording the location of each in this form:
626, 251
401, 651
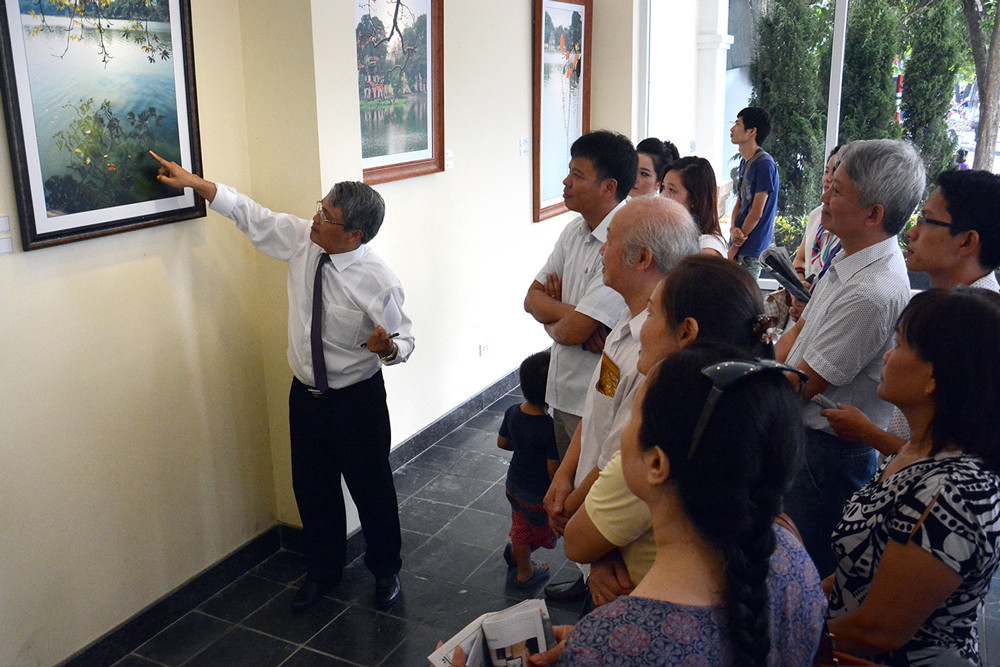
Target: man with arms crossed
340, 294
569, 296
848, 326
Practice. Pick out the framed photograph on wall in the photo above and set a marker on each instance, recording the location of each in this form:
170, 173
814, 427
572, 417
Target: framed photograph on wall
400, 87
561, 106
88, 90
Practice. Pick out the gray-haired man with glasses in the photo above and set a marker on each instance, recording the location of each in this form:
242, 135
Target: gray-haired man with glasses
344, 323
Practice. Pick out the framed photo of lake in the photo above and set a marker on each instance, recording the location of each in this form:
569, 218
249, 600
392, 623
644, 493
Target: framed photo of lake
400, 87
561, 106
88, 89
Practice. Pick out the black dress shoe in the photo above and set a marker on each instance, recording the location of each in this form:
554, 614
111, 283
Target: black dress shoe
567, 591
312, 591
387, 590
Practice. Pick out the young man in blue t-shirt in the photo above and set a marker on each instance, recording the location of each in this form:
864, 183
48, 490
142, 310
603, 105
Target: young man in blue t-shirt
756, 190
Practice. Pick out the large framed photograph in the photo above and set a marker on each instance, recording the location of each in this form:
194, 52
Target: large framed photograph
400, 87
561, 106
88, 89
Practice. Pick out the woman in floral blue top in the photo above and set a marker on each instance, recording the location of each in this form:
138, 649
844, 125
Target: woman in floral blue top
711, 447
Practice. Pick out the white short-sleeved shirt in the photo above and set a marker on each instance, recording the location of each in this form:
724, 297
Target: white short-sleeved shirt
616, 368
849, 326
576, 259
714, 242
355, 288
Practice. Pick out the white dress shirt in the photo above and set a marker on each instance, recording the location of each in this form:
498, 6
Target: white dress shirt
576, 259
355, 288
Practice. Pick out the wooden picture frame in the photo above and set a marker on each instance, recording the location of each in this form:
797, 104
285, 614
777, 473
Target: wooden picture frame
400, 88
86, 93
563, 32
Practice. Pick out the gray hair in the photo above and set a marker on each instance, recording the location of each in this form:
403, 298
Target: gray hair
663, 227
885, 172
362, 208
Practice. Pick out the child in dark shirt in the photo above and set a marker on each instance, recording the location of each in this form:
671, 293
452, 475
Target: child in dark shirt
527, 431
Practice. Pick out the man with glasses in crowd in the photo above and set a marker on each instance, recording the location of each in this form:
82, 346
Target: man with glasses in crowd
344, 323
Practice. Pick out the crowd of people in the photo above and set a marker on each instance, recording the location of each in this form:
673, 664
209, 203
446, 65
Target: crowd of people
721, 508
736, 490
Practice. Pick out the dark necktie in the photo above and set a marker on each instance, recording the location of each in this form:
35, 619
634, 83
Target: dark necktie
316, 334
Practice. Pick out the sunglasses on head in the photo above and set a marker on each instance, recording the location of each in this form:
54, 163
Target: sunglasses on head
723, 376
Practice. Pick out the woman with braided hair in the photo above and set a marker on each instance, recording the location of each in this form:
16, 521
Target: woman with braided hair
711, 447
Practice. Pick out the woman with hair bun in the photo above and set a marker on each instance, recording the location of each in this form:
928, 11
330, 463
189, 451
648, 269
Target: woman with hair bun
704, 300
690, 181
654, 156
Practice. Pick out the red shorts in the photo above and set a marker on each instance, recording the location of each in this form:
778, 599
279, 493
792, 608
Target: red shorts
529, 525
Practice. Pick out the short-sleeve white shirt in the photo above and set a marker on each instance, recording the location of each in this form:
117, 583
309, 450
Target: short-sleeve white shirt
849, 326
599, 428
576, 259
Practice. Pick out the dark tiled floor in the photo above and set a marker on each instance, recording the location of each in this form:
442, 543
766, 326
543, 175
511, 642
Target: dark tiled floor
455, 519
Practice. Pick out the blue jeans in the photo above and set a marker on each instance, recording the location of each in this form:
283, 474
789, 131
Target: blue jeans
751, 264
833, 470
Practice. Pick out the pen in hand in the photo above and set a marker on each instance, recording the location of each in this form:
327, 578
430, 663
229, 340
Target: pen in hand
394, 335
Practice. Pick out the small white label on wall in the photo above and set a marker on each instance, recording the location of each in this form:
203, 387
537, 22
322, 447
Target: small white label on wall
6, 246
4, 223
524, 147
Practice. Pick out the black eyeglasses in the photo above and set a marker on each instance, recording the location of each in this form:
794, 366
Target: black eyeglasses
723, 376
921, 220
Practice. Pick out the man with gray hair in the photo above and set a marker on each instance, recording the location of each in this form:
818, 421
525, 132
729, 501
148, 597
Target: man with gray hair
848, 326
344, 323
646, 239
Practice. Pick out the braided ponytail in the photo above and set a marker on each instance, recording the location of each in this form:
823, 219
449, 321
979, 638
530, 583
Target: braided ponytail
731, 489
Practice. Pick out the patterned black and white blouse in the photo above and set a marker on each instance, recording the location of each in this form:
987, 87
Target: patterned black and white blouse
962, 530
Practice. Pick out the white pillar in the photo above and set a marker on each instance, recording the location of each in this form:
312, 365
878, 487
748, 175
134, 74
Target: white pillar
713, 43
836, 74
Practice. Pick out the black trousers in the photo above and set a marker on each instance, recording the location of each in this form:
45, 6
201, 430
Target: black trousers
344, 432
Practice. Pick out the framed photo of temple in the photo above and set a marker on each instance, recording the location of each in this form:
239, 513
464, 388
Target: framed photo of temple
400, 87
88, 90
561, 105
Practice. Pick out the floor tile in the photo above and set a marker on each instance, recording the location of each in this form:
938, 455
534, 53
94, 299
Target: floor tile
478, 529
409, 479
485, 467
494, 500
134, 661
414, 650
276, 618
501, 404
452, 489
356, 583
421, 595
466, 439
180, 641
285, 567
244, 648
308, 658
487, 420
436, 458
362, 636
457, 611
441, 559
495, 577
411, 540
241, 598
426, 516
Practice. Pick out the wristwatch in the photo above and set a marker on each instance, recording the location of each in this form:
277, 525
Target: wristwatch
391, 356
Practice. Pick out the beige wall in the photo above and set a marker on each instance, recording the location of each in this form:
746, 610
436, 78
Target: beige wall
144, 386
